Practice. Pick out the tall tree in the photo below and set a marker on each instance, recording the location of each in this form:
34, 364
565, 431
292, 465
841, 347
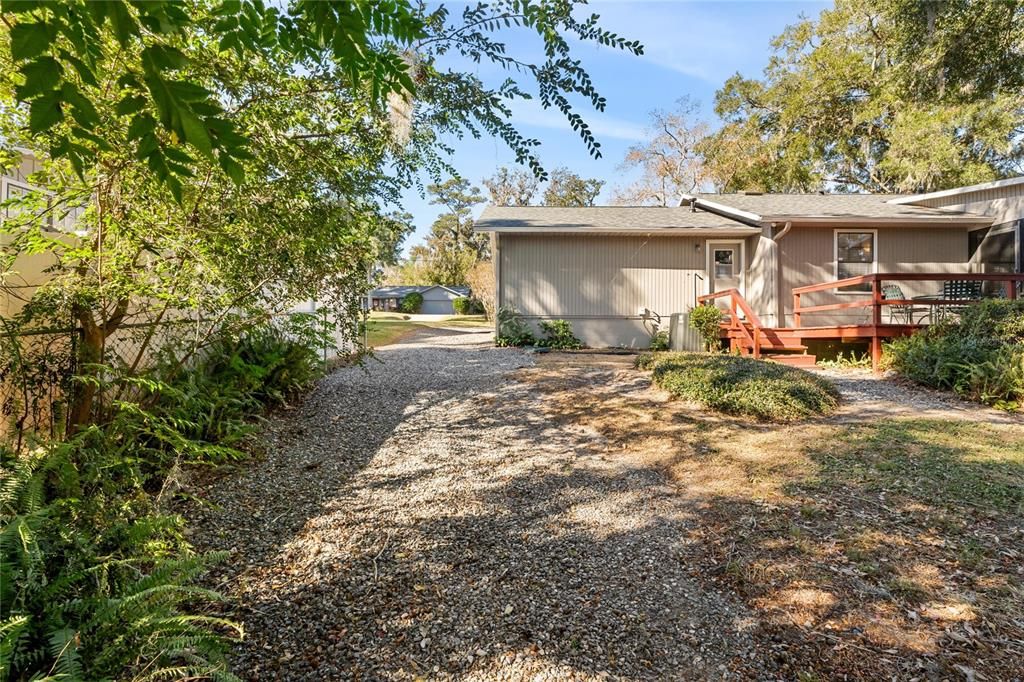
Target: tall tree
205, 137
511, 187
670, 161
453, 230
566, 188
871, 96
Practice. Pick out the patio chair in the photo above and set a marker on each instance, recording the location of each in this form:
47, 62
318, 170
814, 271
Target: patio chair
901, 313
959, 290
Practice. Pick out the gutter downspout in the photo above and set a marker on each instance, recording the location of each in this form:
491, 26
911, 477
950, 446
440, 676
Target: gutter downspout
780, 303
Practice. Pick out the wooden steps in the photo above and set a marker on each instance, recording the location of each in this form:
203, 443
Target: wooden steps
792, 359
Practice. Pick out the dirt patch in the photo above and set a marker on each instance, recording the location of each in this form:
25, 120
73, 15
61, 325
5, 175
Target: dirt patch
883, 541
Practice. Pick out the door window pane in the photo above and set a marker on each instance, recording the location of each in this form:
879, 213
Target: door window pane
855, 256
724, 263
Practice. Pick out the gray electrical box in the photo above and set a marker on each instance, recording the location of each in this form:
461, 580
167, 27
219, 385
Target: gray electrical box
681, 336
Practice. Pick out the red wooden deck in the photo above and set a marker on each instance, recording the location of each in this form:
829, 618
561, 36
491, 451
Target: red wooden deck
748, 336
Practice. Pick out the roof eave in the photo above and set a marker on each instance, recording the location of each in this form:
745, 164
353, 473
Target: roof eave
886, 221
611, 231
956, 191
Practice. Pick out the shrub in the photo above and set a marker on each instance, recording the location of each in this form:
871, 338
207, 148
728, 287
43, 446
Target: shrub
659, 340
513, 329
95, 583
463, 305
558, 335
738, 385
706, 319
411, 302
646, 361
980, 356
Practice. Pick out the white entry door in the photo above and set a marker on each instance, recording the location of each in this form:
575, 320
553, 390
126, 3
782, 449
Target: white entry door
725, 265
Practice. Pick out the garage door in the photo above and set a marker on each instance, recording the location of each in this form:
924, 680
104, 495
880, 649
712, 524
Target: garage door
436, 307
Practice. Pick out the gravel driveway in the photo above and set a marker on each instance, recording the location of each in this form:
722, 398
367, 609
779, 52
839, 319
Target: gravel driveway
421, 518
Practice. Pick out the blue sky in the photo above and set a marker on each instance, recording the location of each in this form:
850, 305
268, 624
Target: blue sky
690, 48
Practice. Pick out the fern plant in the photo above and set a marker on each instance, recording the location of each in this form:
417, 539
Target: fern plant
89, 593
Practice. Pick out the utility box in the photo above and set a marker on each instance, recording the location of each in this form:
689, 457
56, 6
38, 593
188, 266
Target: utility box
681, 336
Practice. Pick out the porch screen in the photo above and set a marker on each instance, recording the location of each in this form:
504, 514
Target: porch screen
855, 256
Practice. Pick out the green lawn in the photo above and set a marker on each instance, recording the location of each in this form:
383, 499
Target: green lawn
387, 328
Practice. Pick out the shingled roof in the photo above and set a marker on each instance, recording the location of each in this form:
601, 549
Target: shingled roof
608, 220
831, 207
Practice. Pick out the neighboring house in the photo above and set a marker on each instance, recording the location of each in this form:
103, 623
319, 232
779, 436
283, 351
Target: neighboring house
437, 299
601, 267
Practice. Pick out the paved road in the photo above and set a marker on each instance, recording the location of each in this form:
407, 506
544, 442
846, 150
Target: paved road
419, 517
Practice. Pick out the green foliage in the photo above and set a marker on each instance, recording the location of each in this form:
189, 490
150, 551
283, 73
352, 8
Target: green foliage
96, 583
707, 320
511, 187
843, 361
881, 96
645, 361
659, 340
980, 356
566, 188
558, 335
513, 329
766, 391
411, 302
463, 305
62, 51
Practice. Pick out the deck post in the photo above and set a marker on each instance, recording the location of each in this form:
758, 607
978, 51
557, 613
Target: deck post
876, 353
1011, 289
876, 299
796, 311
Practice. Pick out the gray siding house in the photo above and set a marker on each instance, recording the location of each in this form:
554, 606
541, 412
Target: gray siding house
602, 267
437, 299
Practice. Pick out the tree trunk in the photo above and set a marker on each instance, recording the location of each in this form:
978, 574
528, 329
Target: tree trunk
90, 353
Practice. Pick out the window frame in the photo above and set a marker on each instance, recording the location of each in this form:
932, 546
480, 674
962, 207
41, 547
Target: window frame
835, 255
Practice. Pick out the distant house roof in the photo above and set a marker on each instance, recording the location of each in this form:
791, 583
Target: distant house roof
401, 290
829, 208
678, 220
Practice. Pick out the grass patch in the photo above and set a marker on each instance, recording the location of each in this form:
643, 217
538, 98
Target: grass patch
860, 547
743, 386
940, 463
383, 332
383, 329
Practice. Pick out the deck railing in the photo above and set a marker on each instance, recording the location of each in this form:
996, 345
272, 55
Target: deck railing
751, 336
877, 330
878, 301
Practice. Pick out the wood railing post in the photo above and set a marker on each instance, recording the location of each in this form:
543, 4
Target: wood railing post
796, 310
876, 298
1011, 289
757, 343
876, 319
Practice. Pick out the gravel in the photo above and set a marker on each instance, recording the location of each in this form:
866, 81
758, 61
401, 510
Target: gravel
866, 395
420, 518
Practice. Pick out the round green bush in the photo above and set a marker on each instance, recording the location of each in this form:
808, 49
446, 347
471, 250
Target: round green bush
411, 302
766, 391
463, 305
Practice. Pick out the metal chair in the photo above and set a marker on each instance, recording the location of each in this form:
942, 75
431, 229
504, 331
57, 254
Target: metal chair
902, 313
959, 290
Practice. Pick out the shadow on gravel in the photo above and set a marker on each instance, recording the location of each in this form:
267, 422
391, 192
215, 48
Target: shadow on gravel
454, 532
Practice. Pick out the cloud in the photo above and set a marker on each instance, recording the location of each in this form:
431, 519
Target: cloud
702, 40
530, 112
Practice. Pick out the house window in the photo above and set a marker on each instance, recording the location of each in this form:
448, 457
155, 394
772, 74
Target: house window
856, 255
